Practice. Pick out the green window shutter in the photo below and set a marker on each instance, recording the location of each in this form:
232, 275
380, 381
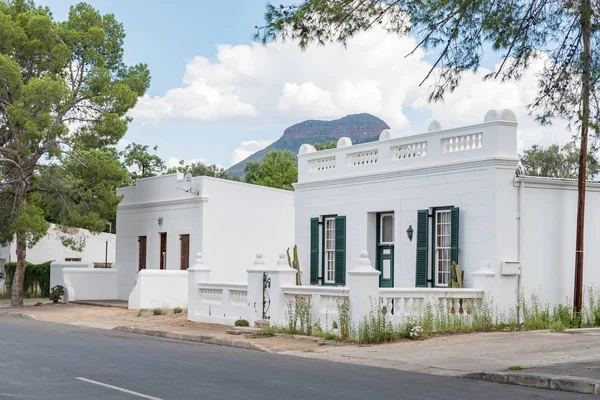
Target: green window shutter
314, 250
454, 233
340, 250
422, 247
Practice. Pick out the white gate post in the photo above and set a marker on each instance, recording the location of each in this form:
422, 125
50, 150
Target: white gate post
196, 274
363, 282
255, 289
283, 275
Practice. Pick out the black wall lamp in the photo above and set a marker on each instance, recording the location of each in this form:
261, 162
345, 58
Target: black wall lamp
160, 221
410, 232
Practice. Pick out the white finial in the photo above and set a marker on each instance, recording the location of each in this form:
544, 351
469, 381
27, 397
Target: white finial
508, 115
307, 148
199, 259
435, 126
259, 259
386, 134
344, 142
491, 115
364, 258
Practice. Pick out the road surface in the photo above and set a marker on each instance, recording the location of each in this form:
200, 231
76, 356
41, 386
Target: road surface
54, 361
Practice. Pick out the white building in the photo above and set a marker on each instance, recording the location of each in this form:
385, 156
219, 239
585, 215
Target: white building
97, 248
418, 203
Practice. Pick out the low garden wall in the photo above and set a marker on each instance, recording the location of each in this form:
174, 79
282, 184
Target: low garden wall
159, 289
90, 284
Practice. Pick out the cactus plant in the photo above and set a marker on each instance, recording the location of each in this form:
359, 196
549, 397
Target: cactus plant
457, 278
295, 263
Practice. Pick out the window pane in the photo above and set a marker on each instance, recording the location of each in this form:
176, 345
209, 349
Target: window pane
329, 250
387, 229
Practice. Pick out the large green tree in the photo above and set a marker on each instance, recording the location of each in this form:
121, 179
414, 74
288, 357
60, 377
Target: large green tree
199, 169
557, 161
564, 34
63, 87
277, 170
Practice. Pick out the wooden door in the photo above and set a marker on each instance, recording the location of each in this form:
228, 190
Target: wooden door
163, 250
385, 249
184, 259
141, 253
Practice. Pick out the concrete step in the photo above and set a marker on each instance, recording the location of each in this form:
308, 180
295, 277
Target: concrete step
262, 323
242, 330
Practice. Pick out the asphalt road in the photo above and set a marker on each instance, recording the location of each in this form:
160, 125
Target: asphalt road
54, 361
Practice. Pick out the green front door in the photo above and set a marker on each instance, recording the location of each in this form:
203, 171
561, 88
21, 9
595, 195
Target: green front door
385, 249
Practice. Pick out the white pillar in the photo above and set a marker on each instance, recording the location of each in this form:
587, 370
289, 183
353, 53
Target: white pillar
196, 274
363, 282
283, 275
255, 289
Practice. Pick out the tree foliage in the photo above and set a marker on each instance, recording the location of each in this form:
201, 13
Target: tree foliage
326, 145
556, 161
199, 169
142, 163
277, 170
64, 90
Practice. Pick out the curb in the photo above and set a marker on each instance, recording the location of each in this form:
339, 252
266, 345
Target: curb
19, 315
206, 339
540, 381
106, 305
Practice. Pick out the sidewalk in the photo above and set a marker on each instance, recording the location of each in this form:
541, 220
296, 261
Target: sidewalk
174, 326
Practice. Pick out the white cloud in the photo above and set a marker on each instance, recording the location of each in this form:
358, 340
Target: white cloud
280, 84
247, 148
122, 143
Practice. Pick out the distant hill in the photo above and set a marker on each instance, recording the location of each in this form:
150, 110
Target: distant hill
358, 127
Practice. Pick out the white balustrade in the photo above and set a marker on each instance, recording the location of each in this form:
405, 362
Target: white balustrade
219, 302
409, 150
322, 164
455, 144
324, 301
363, 158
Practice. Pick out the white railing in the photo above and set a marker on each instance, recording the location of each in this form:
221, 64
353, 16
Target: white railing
410, 150
322, 164
457, 144
363, 158
325, 301
220, 302
401, 304
491, 140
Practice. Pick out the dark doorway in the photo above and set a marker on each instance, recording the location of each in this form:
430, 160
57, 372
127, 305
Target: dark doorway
141, 253
163, 250
184, 260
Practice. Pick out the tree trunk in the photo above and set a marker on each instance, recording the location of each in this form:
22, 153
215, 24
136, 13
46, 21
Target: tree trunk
586, 16
18, 279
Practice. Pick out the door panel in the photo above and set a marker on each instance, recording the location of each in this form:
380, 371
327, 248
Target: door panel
163, 250
385, 249
141, 253
184, 259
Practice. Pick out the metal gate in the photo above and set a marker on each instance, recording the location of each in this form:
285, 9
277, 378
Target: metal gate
266, 296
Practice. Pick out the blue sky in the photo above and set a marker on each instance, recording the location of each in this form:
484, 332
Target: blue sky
216, 97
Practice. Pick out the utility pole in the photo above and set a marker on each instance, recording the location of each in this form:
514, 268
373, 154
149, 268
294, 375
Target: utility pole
586, 17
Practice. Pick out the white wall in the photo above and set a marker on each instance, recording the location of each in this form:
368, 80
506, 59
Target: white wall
549, 227
90, 284
159, 289
241, 220
50, 247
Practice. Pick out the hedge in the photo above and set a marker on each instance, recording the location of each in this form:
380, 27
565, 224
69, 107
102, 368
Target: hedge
37, 278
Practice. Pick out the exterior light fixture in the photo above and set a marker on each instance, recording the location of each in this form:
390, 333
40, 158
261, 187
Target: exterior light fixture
160, 221
410, 232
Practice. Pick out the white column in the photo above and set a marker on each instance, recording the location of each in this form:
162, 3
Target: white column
196, 274
255, 289
363, 282
283, 275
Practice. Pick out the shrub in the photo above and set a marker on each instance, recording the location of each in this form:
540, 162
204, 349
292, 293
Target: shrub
56, 293
36, 282
265, 332
242, 322
343, 306
375, 328
157, 311
177, 310
557, 326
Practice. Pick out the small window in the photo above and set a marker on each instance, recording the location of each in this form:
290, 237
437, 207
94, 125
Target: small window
330, 250
386, 234
72, 259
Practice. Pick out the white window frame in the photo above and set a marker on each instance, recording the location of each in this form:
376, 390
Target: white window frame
439, 251
381, 216
329, 251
